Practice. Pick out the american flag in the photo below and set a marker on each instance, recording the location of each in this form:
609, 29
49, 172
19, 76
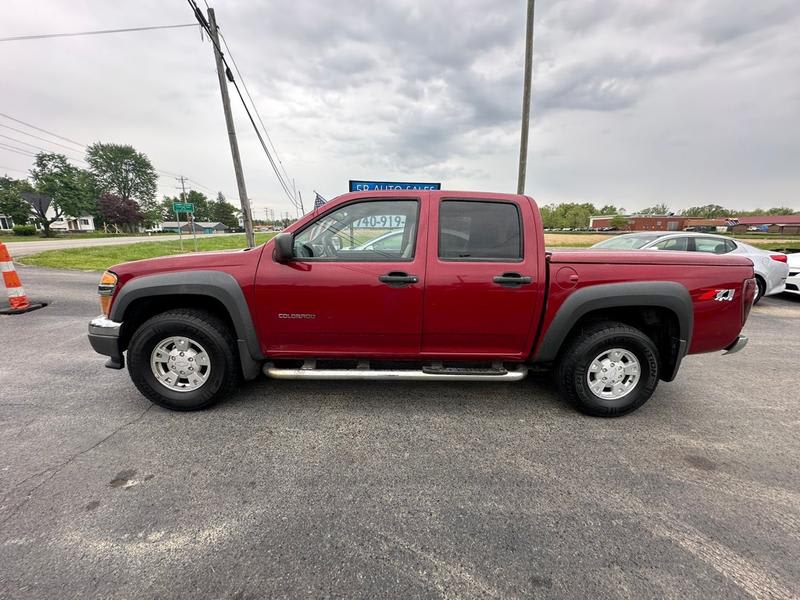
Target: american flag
318, 201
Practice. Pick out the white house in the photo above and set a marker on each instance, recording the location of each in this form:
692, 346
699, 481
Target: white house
6, 222
71, 224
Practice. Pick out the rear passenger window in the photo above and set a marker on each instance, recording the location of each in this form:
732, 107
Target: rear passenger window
713, 245
471, 230
673, 244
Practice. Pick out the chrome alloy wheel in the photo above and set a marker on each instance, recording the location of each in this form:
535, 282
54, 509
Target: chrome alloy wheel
613, 374
180, 364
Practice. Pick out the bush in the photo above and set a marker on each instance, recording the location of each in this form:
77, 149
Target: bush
24, 230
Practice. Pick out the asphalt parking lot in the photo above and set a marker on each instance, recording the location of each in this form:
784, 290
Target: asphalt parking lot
366, 490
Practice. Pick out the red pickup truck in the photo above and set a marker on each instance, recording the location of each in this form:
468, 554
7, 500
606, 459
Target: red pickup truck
420, 285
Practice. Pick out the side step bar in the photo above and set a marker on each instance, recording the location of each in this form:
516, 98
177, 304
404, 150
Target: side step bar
424, 374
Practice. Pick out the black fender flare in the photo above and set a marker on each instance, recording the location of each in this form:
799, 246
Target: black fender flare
214, 284
662, 294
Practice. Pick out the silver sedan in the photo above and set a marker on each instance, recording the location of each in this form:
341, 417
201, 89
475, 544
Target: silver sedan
770, 267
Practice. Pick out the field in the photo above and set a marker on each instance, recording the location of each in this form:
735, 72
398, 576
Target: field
99, 258
573, 240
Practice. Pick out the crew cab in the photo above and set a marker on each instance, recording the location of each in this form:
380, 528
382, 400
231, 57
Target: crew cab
419, 285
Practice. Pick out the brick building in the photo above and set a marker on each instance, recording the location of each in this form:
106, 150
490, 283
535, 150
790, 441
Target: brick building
776, 223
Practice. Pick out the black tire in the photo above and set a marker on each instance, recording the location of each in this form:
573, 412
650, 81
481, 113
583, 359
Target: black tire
575, 359
761, 288
206, 329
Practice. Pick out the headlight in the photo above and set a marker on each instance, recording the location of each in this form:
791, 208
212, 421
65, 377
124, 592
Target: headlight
108, 283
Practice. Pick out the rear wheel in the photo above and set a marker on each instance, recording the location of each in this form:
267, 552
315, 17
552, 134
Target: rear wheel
761, 288
183, 359
609, 370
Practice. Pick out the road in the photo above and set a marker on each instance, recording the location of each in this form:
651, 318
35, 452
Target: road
405, 490
20, 249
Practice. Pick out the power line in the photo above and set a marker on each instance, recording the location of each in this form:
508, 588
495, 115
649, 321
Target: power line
255, 108
42, 149
202, 20
99, 32
36, 136
10, 169
82, 146
8, 148
61, 137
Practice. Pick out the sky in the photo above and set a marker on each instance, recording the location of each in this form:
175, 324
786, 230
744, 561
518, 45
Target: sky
635, 102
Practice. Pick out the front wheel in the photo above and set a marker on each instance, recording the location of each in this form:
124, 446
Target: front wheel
609, 370
183, 359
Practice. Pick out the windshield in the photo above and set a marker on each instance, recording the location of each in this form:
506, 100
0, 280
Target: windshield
627, 242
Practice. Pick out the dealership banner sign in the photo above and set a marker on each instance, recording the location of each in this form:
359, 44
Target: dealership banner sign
358, 185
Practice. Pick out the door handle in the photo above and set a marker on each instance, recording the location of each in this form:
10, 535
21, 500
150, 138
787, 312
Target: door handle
398, 278
512, 279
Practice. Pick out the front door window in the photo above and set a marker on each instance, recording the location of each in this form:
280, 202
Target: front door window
372, 231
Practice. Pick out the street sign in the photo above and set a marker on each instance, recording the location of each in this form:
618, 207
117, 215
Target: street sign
357, 185
38, 201
185, 207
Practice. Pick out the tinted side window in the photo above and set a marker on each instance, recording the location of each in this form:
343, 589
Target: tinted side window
711, 245
470, 230
673, 244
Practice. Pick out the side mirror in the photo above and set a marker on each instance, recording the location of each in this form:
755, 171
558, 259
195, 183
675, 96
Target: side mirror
284, 247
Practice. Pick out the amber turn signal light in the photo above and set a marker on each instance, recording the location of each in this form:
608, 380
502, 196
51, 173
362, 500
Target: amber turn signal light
108, 282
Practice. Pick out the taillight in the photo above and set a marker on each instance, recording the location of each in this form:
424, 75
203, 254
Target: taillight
778, 257
108, 283
748, 295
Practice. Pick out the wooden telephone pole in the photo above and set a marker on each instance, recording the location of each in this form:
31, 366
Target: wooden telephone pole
247, 217
526, 100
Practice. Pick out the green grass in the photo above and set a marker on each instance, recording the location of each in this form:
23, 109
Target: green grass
10, 237
99, 258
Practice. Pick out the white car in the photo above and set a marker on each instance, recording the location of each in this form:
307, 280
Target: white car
771, 268
793, 280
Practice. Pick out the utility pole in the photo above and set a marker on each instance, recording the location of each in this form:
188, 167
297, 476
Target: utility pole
182, 179
178, 214
247, 218
526, 100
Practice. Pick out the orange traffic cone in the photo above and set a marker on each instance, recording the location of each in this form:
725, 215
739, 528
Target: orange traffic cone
17, 300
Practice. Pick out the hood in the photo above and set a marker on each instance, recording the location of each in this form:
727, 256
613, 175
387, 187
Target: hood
182, 262
647, 257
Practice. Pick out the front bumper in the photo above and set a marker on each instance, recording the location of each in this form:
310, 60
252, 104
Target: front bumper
737, 345
104, 338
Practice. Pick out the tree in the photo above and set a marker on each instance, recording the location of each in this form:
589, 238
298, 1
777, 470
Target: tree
167, 214
200, 201
658, 209
69, 187
610, 209
11, 202
124, 213
123, 171
620, 222
709, 211
223, 211
151, 211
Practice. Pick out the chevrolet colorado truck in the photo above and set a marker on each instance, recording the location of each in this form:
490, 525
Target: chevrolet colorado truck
419, 285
